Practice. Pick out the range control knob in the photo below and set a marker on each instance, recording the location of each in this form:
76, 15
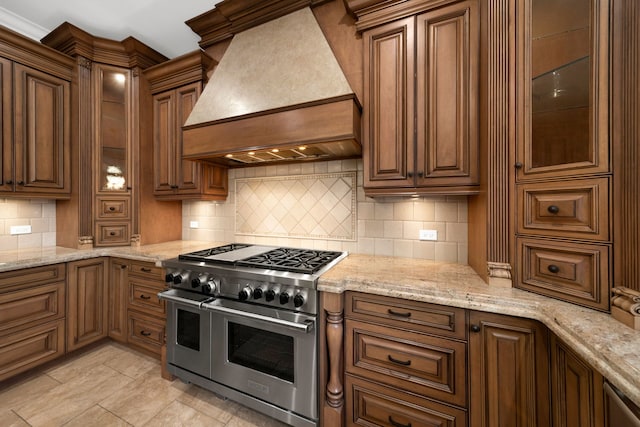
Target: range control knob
197, 281
169, 277
245, 293
257, 293
298, 300
206, 288
284, 298
270, 295
180, 277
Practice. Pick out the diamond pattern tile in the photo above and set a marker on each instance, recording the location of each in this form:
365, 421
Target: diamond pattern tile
319, 206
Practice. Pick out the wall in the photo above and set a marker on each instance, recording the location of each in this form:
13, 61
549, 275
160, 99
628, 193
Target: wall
40, 214
383, 226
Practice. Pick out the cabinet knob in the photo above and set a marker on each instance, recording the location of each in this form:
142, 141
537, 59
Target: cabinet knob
145, 333
112, 233
518, 165
553, 269
20, 182
9, 182
410, 174
123, 266
475, 328
420, 174
553, 209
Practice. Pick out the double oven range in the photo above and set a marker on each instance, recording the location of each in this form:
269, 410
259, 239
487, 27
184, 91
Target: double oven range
242, 322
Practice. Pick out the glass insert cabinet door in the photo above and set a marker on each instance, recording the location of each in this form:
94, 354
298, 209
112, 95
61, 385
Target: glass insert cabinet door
112, 125
562, 91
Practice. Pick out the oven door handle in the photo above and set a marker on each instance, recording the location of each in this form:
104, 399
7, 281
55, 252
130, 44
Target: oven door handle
183, 301
305, 327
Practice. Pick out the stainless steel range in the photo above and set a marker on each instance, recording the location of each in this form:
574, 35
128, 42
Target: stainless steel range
242, 322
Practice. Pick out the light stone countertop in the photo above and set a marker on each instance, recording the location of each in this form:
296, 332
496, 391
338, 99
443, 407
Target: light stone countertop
608, 345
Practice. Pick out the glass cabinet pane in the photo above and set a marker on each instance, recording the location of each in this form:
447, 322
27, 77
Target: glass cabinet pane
113, 131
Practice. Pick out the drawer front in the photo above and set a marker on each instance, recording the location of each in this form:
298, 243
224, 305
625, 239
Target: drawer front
424, 317
146, 332
33, 276
36, 304
574, 272
370, 404
146, 269
113, 208
27, 348
144, 296
427, 365
577, 209
112, 234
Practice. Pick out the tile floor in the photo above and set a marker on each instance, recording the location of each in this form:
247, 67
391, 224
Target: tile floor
112, 385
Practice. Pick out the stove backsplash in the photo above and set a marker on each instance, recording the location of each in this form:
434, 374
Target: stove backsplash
388, 226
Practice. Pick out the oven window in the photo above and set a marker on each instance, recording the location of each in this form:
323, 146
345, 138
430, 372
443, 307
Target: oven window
261, 350
188, 329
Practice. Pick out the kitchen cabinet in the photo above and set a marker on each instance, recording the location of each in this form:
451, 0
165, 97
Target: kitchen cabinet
111, 201
176, 86
35, 119
563, 172
576, 389
32, 318
87, 315
509, 370
118, 297
421, 98
146, 313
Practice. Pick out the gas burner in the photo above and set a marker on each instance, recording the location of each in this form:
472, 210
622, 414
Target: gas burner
290, 259
203, 254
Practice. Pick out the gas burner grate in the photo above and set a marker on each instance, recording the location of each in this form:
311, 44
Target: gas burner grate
291, 259
202, 254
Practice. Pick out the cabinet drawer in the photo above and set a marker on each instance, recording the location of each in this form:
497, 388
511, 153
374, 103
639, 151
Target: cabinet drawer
144, 296
370, 404
27, 348
112, 234
110, 208
427, 365
146, 332
577, 209
146, 269
424, 317
35, 304
33, 276
573, 272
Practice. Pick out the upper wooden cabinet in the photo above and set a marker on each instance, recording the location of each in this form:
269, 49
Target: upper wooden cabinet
35, 119
176, 86
421, 100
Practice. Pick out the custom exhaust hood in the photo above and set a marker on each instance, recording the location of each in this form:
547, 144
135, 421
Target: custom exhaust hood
277, 95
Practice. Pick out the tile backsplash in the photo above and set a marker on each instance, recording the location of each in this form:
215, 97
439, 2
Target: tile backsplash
39, 214
383, 226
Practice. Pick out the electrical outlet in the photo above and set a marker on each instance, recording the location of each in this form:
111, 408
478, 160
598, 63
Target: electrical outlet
20, 229
428, 235
194, 224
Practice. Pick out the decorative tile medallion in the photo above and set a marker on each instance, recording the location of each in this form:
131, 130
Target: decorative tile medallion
319, 206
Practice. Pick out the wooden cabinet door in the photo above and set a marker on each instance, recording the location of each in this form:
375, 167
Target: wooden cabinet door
576, 389
164, 155
188, 177
509, 368
41, 134
87, 302
389, 64
6, 132
118, 287
447, 95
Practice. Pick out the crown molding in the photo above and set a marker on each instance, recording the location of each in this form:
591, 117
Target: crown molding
21, 25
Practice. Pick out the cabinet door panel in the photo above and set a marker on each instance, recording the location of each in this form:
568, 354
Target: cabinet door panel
187, 171
118, 296
164, 142
389, 86
6, 130
42, 123
447, 94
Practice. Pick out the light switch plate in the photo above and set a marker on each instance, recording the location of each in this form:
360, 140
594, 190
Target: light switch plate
193, 224
428, 235
20, 229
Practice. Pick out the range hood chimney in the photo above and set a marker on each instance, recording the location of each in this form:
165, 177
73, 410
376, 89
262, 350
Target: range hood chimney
278, 94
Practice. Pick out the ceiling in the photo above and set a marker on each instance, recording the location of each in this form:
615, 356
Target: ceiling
157, 23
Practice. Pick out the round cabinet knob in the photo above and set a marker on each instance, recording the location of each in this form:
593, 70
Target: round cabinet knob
298, 300
244, 294
475, 328
257, 293
9, 182
284, 298
518, 165
553, 269
553, 209
270, 295
112, 208
206, 288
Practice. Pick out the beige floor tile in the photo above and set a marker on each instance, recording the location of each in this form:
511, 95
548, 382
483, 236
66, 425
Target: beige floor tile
208, 403
132, 363
245, 417
179, 414
97, 416
10, 419
69, 369
72, 398
20, 393
142, 399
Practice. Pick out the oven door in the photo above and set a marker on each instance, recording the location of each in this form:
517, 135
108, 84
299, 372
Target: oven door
188, 332
267, 353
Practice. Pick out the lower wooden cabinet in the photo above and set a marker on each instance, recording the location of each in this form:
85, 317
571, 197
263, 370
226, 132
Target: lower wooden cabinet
87, 315
118, 295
